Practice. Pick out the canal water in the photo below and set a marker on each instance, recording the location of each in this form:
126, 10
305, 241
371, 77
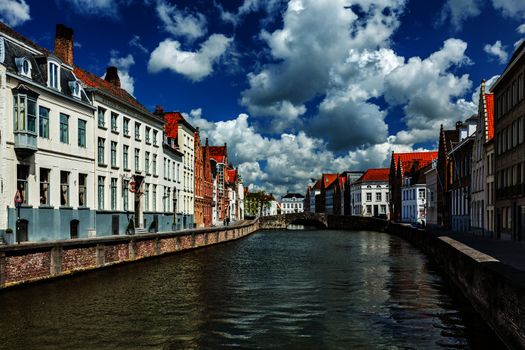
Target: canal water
283, 289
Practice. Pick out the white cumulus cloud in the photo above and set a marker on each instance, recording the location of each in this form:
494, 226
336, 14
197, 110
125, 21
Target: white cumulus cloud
497, 50
458, 11
195, 65
181, 23
97, 7
14, 12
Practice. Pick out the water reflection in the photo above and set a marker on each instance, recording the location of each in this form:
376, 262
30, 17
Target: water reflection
303, 289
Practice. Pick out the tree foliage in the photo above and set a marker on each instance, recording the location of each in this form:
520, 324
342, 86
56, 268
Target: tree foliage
255, 202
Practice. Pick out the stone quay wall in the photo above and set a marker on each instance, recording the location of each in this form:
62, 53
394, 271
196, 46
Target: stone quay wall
33, 262
495, 290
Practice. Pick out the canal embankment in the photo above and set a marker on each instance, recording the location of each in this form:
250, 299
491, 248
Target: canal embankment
34, 262
495, 290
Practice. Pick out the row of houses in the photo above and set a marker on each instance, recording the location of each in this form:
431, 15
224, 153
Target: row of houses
474, 182
81, 157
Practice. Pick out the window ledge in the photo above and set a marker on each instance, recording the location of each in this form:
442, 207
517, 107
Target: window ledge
102, 165
138, 139
155, 175
65, 207
114, 167
114, 131
127, 169
127, 135
45, 206
100, 126
83, 208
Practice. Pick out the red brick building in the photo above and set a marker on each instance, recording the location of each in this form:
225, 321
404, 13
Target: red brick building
203, 183
219, 165
447, 139
401, 165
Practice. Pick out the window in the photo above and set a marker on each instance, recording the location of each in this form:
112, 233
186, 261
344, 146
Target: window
64, 128
101, 117
64, 188
520, 87
148, 130
22, 174
101, 180
137, 159
146, 197
422, 193
125, 190
137, 131
81, 133
113, 154
521, 130
378, 196
125, 126
82, 190
114, 117
43, 122
154, 198
75, 88
369, 196
113, 193
125, 157
25, 113
165, 168
146, 162
154, 164
24, 66
101, 151
44, 186
155, 132
53, 76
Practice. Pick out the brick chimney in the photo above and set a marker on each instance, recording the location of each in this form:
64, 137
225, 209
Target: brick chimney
112, 76
159, 110
64, 44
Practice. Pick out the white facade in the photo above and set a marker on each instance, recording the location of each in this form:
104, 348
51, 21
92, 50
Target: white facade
292, 203
313, 192
432, 186
369, 198
42, 153
240, 199
186, 196
413, 202
136, 171
272, 209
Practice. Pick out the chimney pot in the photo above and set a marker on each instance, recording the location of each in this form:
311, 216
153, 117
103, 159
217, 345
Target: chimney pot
159, 110
64, 44
112, 76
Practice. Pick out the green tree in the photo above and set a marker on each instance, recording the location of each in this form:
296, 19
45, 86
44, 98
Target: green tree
255, 202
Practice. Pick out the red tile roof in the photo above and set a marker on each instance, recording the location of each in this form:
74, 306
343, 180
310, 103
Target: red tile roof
172, 124
218, 153
232, 175
328, 179
414, 159
371, 175
489, 102
94, 81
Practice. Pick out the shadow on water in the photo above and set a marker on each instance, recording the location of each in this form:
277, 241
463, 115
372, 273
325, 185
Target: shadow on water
280, 289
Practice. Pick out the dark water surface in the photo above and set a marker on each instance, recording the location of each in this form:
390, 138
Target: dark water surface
288, 290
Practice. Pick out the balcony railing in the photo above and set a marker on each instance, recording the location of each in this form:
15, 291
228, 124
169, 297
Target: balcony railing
25, 142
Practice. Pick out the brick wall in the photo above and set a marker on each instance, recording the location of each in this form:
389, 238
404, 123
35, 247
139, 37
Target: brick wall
30, 262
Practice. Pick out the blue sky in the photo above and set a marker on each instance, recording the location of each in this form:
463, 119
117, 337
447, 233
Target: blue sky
296, 87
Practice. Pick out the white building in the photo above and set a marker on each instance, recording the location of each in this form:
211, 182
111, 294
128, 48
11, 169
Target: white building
369, 194
272, 209
180, 135
413, 201
312, 191
46, 149
292, 203
431, 183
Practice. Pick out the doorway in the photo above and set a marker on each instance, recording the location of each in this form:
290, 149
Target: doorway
73, 229
22, 229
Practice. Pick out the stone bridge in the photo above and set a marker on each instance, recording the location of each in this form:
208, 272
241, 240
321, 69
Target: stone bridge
323, 221
278, 222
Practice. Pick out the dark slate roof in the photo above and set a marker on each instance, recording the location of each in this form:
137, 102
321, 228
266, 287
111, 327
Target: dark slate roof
38, 61
293, 195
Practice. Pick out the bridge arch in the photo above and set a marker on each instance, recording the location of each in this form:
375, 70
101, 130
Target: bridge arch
281, 222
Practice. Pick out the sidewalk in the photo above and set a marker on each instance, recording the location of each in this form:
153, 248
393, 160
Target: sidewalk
507, 252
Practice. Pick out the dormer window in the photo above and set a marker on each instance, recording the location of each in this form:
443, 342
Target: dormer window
75, 88
53, 75
24, 66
